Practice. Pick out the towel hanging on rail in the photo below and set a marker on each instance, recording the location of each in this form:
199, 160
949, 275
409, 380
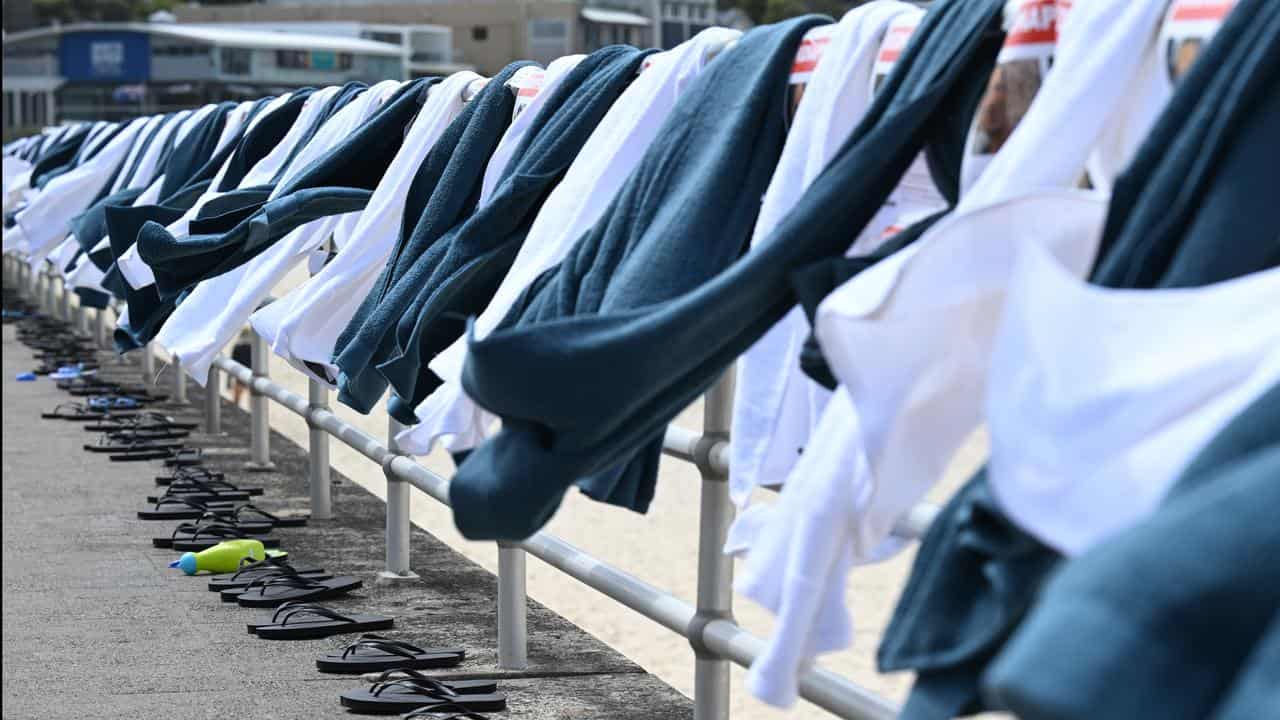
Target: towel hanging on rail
607, 335
303, 326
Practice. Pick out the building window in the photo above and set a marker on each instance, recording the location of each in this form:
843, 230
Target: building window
235, 61
555, 30
479, 33
345, 61
293, 59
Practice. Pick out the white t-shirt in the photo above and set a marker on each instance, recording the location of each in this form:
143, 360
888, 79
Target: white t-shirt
577, 202
45, 221
1099, 398
775, 404
217, 308
932, 310
86, 274
132, 268
303, 326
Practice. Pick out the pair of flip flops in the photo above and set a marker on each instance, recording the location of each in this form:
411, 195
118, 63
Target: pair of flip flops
82, 412
409, 691
146, 421
230, 589
130, 446
177, 507
299, 620
205, 491
281, 589
194, 537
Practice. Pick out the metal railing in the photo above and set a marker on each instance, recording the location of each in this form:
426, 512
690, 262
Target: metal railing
709, 626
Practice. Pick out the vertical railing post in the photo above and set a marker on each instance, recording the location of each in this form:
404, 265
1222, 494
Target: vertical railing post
318, 457
50, 298
513, 633
100, 328
397, 512
715, 570
259, 407
64, 300
179, 382
213, 402
148, 365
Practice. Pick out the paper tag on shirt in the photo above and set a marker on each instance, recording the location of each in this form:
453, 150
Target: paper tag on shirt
916, 195
527, 82
812, 45
1187, 28
1031, 35
891, 47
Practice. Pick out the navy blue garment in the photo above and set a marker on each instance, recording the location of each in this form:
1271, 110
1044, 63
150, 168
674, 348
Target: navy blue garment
646, 311
59, 153
194, 156
186, 176
1256, 689
1160, 620
262, 138
444, 191
224, 211
457, 276
1200, 176
340, 182
90, 227
93, 142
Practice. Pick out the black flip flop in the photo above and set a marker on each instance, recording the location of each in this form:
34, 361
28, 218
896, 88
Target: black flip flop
287, 588
202, 496
242, 579
232, 594
307, 621
374, 653
184, 458
147, 420
188, 473
212, 531
407, 694
110, 445
81, 412
179, 508
238, 515
201, 544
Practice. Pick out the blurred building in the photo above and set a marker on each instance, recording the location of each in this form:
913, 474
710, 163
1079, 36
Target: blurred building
488, 34
112, 70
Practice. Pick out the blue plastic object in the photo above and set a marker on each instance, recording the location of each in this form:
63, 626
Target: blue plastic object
26, 377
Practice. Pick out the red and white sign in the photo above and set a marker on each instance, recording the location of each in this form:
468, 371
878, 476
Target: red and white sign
812, 45
1194, 10
527, 82
1034, 22
895, 41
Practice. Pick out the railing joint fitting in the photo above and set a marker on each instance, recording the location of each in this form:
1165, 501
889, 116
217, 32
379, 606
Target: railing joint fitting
697, 629
702, 451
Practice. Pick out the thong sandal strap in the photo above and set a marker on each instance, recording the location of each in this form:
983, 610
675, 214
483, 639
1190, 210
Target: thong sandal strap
296, 609
174, 500
422, 685
270, 563
391, 647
